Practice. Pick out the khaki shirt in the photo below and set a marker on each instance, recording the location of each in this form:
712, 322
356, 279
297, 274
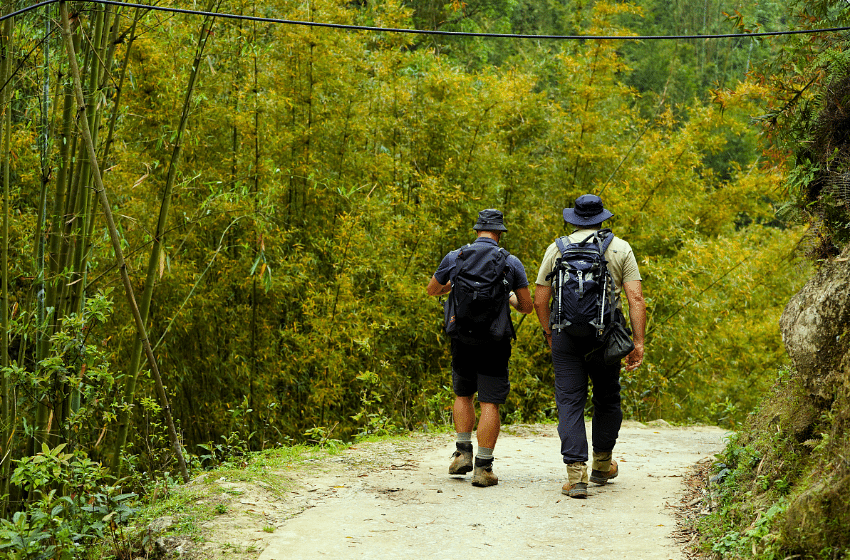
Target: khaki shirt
621, 262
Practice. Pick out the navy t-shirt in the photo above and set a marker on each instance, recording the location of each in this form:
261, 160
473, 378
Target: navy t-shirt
515, 271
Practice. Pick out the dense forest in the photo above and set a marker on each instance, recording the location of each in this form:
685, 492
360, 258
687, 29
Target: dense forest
217, 230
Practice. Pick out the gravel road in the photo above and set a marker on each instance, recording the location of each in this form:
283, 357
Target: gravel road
401, 503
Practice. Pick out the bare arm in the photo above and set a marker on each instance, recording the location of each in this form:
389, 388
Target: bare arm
541, 306
521, 301
637, 317
434, 288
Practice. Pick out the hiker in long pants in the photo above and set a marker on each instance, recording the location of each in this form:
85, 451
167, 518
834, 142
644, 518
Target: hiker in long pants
482, 279
575, 346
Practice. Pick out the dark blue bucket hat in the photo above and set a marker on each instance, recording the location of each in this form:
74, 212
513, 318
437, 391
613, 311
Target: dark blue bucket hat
588, 211
490, 220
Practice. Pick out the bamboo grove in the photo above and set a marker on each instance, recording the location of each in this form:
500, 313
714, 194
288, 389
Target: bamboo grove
220, 230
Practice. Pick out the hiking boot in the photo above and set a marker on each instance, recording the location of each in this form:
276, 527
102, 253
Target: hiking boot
576, 485
577, 490
461, 462
483, 476
603, 476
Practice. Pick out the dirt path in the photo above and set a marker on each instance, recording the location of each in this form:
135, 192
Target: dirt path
407, 506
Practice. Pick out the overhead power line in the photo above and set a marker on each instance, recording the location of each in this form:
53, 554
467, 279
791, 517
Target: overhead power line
434, 31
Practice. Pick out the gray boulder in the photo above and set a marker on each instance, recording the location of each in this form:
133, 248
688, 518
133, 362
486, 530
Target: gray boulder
816, 328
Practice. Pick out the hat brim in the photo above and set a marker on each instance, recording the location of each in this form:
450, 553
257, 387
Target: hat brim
571, 217
489, 227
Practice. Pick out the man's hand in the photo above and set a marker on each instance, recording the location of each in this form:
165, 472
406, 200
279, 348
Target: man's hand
434, 288
635, 358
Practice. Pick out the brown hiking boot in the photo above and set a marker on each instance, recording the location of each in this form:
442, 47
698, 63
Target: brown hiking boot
577, 490
576, 485
461, 462
483, 476
603, 476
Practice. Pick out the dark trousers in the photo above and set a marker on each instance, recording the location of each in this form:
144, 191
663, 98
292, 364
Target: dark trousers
572, 371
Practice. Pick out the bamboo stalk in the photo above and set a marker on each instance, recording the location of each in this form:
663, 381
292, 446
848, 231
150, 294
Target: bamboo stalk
256, 189
156, 247
234, 95
116, 241
120, 87
41, 335
97, 70
54, 289
5, 137
73, 171
88, 203
38, 256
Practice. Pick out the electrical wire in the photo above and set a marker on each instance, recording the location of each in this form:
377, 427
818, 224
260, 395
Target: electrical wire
434, 31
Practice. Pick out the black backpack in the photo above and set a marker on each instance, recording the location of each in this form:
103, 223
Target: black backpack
582, 287
477, 307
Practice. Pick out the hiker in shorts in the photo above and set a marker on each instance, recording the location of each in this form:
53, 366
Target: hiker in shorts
574, 359
481, 366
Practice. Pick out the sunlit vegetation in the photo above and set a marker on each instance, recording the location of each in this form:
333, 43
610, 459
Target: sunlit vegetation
282, 194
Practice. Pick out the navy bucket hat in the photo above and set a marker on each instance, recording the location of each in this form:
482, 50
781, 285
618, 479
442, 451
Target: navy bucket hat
490, 220
588, 211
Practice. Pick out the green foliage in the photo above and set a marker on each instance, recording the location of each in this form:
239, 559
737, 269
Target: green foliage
321, 437
776, 485
323, 176
232, 449
675, 72
809, 83
757, 539
376, 421
72, 508
439, 407
745, 525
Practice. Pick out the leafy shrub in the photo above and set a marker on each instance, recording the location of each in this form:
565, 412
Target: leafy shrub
70, 507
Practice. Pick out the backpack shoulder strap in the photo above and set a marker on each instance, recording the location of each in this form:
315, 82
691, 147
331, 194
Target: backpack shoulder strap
504, 270
562, 245
460, 260
606, 240
562, 248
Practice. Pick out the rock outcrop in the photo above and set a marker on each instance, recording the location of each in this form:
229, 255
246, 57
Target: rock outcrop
816, 331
